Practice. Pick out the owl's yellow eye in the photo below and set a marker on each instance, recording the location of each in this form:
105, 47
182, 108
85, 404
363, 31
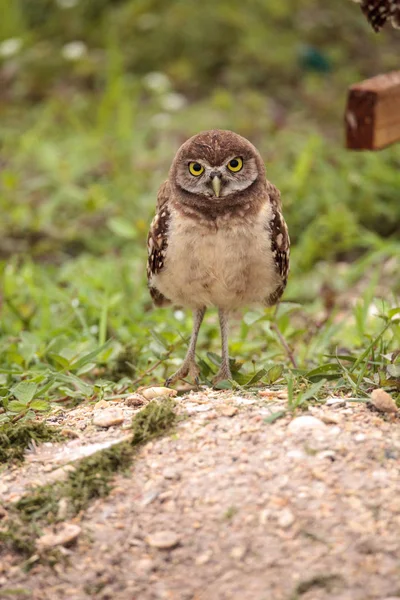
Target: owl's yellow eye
196, 168
235, 164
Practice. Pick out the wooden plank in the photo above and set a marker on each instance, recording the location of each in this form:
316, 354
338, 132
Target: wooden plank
373, 112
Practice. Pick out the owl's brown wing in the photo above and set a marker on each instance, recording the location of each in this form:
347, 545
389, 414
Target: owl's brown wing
280, 242
157, 243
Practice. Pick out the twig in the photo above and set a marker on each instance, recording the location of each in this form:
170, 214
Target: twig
149, 370
286, 347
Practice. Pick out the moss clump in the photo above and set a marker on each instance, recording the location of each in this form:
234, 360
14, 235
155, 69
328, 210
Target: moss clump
16, 437
153, 420
17, 536
91, 479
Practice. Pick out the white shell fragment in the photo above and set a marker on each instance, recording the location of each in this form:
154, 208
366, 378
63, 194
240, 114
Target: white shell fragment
157, 392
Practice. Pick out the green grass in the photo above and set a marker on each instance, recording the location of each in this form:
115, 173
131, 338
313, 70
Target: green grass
85, 145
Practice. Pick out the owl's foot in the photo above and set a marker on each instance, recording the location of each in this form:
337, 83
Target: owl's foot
189, 367
224, 374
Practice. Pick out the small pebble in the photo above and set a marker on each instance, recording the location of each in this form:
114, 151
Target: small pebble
163, 540
171, 473
383, 401
244, 401
238, 552
71, 433
286, 518
191, 407
296, 454
135, 400
101, 404
66, 535
108, 417
145, 566
305, 423
203, 559
228, 410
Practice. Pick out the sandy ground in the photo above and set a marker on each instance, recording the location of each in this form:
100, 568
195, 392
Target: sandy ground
230, 506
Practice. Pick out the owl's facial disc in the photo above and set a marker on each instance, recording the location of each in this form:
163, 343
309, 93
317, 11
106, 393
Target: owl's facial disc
217, 181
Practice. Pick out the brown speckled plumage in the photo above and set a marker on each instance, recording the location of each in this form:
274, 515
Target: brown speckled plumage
219, 237
380, 11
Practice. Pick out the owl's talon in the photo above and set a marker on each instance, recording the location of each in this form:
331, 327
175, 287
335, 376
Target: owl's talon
223, 374
188, 368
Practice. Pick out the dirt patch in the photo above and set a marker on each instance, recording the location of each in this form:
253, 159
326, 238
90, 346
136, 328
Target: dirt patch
230, 506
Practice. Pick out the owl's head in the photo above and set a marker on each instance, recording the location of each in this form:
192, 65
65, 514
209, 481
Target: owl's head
216, 168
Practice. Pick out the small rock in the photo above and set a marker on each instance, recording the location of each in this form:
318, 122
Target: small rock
203, 559
264, 516
281, 394
191, 407
171, 473
327, 454
157, 392
238, 552
296, 454
244, 401
145, 566
285, 518
383, 401
163, 540
71, 433
331, 418
149, 497
108, 417
135, 400
60, 474
101, 404
305, 423
228, 410
67, 534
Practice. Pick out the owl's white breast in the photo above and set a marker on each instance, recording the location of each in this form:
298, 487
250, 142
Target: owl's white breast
228, 266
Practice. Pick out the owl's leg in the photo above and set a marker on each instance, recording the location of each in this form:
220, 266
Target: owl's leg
189, 366
224, 372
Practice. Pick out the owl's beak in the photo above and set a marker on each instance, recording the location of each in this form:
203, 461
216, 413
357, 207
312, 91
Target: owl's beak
216, 184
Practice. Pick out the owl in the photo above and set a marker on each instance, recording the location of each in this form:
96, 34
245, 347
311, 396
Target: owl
379, 11
218, 238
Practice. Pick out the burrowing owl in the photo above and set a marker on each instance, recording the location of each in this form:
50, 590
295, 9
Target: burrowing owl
218, 237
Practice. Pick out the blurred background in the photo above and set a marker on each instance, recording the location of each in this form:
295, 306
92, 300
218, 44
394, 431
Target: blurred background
95, 98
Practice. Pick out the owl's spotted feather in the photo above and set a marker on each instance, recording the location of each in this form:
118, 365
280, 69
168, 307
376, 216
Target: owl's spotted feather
379, 11
224, 245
